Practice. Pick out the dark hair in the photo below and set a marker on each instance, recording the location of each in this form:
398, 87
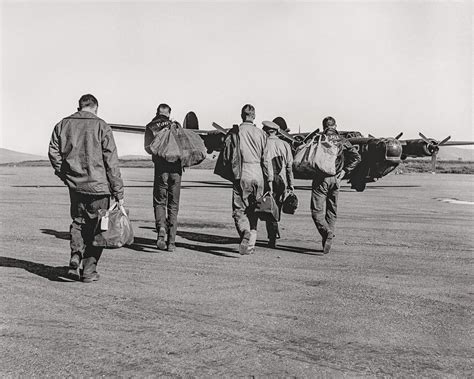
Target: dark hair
329, 122
247, 110
87, 101
163, 106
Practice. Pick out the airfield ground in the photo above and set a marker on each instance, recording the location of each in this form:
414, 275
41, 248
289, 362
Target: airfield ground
393, 298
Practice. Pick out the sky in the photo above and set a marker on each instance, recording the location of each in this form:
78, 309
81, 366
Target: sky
378, 67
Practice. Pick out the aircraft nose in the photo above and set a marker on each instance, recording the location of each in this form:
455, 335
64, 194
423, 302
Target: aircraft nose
393, 149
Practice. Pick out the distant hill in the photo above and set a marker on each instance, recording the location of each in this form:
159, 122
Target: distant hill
10, 156
136, 157
451, 153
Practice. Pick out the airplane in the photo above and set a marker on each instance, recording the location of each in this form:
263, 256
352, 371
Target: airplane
380, 156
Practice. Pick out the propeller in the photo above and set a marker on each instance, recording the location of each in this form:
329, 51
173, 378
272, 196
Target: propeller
399, 135
433, 148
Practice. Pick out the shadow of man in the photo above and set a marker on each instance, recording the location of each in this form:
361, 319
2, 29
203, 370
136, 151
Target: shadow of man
54, 274
224, 240
57, 234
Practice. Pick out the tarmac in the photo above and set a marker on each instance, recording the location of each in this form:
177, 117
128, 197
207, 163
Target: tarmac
393, 298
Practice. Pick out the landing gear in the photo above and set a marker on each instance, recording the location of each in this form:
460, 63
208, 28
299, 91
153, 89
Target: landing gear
359, 186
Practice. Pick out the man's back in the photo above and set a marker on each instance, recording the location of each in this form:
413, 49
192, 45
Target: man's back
252, 143
278, 158
82, 150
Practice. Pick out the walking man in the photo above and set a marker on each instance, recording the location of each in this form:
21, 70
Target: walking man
251, 184
325, 189
83, 154
279, 170
167, 184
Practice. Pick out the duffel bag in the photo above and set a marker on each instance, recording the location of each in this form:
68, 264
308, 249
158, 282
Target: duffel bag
113, 229
266, 208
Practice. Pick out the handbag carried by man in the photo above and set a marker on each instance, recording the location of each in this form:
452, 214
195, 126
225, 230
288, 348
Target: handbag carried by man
113, 229
266, 208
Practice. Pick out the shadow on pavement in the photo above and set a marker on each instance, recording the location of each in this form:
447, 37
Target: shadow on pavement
148, 245
57, 234
208, 238
55, 274
223, 240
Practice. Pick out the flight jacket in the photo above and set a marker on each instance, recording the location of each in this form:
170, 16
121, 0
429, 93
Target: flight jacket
347, 157
229, 162
83, 154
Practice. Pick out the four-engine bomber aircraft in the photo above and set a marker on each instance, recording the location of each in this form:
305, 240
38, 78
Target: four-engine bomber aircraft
380, 156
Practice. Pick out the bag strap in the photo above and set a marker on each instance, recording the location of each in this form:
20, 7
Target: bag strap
115, 205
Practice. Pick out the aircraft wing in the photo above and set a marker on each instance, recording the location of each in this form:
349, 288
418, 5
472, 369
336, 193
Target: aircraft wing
139, 129
458, 143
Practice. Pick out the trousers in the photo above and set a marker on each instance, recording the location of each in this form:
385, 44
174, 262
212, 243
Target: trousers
279, 187
166, 192
84, 210
324, 194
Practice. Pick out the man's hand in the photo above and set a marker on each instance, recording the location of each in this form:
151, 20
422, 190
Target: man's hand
120, 202
270, 187
341, 175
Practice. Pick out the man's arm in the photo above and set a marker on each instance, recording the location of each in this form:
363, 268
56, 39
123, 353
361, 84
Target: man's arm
149, 136
266, 163
351, 157
54, 152
289, 167
111, 163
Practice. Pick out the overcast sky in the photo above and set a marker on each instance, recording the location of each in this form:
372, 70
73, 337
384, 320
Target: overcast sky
378, 67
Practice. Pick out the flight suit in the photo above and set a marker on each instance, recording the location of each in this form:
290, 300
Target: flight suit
250, 186
279, 169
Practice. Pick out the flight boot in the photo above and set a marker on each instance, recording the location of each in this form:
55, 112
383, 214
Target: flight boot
74, 265
160, 242
90, 273
328, 242
272, 243
252, 241
244, 244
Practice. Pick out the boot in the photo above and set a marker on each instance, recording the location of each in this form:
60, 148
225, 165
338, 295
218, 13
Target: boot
244, 244
160, 242
252, 241
90, 273
328, 243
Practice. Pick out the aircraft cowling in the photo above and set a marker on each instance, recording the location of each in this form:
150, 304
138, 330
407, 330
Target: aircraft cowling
418, 148
214, 142
385, 149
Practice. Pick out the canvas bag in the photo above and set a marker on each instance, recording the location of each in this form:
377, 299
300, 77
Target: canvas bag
191, 146
113, 229
326, 154
165, 146
175, 144
317, 155
266, 208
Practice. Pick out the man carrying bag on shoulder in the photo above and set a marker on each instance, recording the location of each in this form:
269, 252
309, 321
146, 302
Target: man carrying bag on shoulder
325, 187
167, 178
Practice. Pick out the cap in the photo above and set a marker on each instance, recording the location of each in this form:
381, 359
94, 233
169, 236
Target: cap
270, 125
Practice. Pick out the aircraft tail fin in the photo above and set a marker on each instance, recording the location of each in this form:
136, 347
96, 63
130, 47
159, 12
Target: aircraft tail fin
191, 121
